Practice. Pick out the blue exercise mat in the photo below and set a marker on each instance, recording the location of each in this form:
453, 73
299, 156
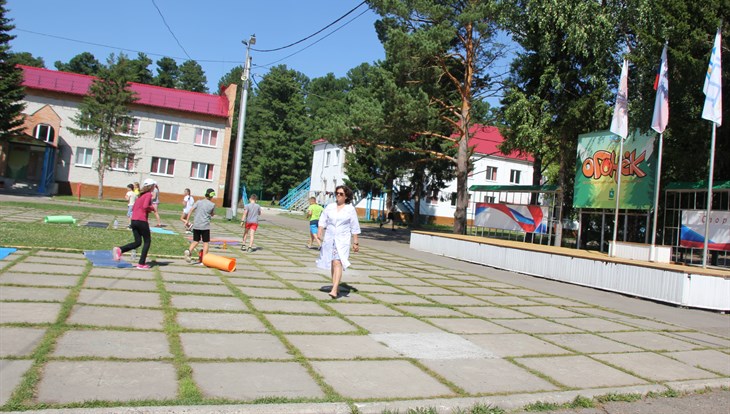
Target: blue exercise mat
6, 251
104, 258
161, 230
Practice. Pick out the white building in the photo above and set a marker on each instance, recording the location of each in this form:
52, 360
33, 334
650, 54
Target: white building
491, 167
184, 140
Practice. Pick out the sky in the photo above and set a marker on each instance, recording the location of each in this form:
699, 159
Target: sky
209, 32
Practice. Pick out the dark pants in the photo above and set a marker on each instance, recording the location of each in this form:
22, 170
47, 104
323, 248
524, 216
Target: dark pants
141, 231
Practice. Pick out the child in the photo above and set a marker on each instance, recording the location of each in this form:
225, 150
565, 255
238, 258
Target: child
187, 203
156, 203
131, 197
250, 221
140, 225
313, 212
202, 211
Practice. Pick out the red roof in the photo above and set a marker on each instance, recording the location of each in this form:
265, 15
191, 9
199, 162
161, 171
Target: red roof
148, 95
486, 140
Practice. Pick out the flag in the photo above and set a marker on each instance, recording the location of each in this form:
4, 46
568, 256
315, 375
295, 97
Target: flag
713, 86
620, 122
661, 104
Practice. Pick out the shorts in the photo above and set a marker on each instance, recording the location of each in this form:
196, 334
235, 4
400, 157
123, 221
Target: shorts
129, 211
314, 226
204, 234
252, 226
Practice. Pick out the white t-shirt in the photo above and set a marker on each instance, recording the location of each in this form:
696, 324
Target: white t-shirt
188, 200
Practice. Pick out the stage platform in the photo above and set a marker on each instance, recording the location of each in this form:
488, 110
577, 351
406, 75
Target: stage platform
681, 285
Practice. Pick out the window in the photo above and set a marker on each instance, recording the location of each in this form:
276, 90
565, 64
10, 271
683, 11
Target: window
433, 198
453, 199
128, 126
83, 156
123, 162
206, 137
166, 132
202, 171
327, 159
492, 173
514, 176
44, 132
489, 199
337, 158
164, 166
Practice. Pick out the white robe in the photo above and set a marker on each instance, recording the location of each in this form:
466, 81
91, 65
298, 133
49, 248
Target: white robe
339, 228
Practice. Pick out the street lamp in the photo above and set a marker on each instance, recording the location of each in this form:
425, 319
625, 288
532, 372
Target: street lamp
241, 125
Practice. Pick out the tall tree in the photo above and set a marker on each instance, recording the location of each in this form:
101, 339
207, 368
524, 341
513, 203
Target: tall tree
27, 59
11, 78
167, 73
192, 77
140, 69
84, 63
104, 116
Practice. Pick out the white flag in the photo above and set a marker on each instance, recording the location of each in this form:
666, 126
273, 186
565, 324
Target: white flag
620, 122
661, 104
713, 85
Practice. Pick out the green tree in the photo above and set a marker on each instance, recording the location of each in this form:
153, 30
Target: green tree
167, 73
192, 77
104, 115
84, 63
25, 58
11, 78
140, 69
326, 102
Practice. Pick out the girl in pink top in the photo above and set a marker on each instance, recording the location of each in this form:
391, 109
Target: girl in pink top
140, 225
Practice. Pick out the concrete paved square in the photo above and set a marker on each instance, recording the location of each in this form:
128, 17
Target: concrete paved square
405, 281
123, 273
652, 325
203, 289
478, 291
466, 325
120, 284
340, 347
393, 324
579, 372
47, 268
191, 278
116, 344
220, 321
655, 367
19, 342
491, 376
288, 306
432, 346
515, 345
534, 325
248, 281
430, 311
31, 279
561, 302
546, 311
80, 261
254, 380
11, 373
116, 317
589, 343
458, 300
219, 303
509, 301
350, 308
28, 312
379, 379
429, 290
119, 298
33, 293
80, 381
709, 359
493, 312
701, 338
651, 341
379, 288
596, 325
310, 324
276, 293
232, 345
396, 299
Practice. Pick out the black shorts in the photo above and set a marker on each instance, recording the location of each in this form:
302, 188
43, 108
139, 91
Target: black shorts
204, 234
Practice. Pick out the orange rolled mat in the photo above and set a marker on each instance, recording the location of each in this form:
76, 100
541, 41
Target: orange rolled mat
220, 262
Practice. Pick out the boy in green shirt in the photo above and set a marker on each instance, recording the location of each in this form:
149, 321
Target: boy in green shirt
313, 212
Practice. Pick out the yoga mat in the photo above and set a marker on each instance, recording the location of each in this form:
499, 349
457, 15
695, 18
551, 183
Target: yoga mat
60, 219
161, 230
6, 251
104, 258
342, 290
97, 224
220, 262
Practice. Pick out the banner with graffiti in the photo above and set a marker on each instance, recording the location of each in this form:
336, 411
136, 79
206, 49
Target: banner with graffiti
692, 233
514, 217
596, 166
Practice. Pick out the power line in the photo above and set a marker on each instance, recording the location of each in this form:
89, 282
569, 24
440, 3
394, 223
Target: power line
310, 36
170, 30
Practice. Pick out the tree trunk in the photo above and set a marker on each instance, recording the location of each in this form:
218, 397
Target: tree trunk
462, 158
462, 193
560, 198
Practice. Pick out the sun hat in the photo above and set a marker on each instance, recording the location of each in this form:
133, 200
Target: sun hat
148, 181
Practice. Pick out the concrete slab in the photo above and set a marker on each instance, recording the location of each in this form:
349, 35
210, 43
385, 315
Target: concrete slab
116, 317
123, 273
263, 292
550, 312
393, 324
561, 302
534, 326
254, 380
398, 299
466, 325
430, 311
516, 291
405, 281
208, 303
379, 379
596, 324
492, 376
340, 347
651, 341
19, 342
515, 345
701, 338
33, 293
191, 278
655, 367
493, 312
119, 298
112, 344
432, 346
31, 279
509, 301
185, 268
220, 321
378, 288
429, 290
477, 291
350, 308
453, 283
47, 268
248, 281
79, 261
652, 325
579, 372
304, 275
458, 300
29, 312
310, 324
233, 345
288, 306
120, 284
65, 382
199, 288
11, 374
588, 343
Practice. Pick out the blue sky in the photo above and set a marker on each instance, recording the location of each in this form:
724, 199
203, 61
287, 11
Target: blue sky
209, 32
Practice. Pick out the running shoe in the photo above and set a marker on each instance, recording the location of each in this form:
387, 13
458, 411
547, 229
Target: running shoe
117, 253
187, 256
143, 266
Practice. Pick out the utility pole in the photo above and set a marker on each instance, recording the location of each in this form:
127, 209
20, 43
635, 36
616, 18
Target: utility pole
241, 126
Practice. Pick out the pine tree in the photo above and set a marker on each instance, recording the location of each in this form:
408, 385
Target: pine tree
192, 77
84, 63
167, 73
11, 78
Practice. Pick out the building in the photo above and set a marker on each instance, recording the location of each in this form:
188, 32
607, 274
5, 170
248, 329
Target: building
184, 141
491, 167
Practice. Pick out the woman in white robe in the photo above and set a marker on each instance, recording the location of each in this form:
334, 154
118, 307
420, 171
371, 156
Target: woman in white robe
338, 224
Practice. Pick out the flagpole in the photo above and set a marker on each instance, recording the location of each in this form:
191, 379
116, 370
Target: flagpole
709, 196
652, 255
618, 195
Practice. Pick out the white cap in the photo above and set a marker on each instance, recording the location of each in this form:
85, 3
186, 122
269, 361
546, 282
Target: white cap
148, 181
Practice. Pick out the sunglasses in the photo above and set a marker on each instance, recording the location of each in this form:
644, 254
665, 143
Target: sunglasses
339, 193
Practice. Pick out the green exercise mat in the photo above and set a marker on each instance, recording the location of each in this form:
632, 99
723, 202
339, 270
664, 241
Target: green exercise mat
60, 219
